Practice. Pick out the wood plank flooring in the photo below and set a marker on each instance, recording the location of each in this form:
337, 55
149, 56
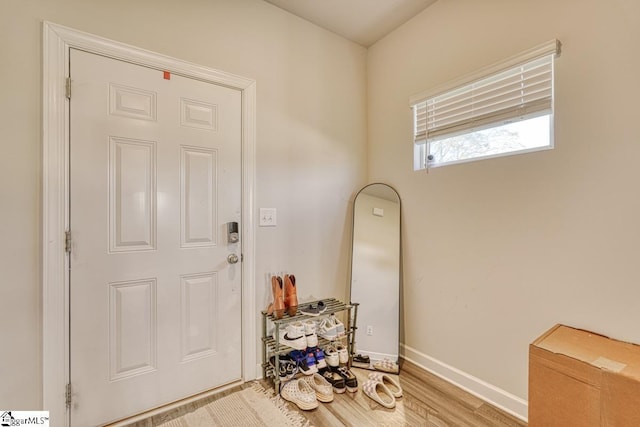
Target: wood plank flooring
427, 401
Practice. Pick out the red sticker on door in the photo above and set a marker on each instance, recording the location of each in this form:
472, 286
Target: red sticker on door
167, 75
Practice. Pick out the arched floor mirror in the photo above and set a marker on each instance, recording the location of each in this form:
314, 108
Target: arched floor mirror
375, 276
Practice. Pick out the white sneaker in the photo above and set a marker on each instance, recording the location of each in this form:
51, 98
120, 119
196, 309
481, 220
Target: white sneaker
343, 355
331, 356
339, 326
294, 336
309, 327
327, 329
310, 333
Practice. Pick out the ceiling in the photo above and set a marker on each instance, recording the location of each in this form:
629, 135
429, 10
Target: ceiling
361, 21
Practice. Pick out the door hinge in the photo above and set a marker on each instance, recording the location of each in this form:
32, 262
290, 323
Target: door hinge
68, 87
67, 395
67, 241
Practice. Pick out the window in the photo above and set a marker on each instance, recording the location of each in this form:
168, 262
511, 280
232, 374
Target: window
505, 109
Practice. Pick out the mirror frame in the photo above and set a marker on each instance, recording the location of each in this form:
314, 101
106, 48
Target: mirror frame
362, 327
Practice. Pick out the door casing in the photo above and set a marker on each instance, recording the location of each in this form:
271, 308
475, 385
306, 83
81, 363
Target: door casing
57, 41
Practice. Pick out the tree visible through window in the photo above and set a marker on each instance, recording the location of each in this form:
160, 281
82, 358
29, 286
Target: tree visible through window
513, 137
504, 111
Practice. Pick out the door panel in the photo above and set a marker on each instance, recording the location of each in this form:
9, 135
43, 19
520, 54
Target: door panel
155, 176
198, 193
132, 194
132, 328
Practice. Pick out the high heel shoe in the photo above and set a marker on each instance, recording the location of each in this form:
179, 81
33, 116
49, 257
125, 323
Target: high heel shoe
290, 294
277, 306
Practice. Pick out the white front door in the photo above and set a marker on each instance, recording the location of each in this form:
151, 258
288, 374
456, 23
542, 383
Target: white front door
155, 176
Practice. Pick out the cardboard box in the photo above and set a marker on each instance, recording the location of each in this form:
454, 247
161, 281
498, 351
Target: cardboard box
579, 378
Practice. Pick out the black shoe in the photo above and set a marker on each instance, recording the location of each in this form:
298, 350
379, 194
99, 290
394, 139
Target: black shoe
306, 364
360, 361
350, 379
336, 381
288, 367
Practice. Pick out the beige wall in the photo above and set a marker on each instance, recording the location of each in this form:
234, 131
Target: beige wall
311, 142
497, 251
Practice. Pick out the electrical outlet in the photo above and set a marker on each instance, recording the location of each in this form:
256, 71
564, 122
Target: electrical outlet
369, 330
268, 217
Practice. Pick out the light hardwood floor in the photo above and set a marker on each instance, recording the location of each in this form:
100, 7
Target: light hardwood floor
427, 401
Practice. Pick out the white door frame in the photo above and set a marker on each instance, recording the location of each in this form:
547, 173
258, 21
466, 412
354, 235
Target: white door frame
57, 41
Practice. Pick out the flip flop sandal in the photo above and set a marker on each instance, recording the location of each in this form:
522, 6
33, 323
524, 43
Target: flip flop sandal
386, 365
300, 393
349, 379
392, 384
379, 393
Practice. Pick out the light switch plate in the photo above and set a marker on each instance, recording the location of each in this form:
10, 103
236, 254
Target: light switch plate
268, 217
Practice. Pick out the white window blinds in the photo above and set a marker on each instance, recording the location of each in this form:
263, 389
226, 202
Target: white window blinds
520, 90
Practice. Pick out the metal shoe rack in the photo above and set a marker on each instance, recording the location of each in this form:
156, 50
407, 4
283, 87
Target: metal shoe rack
271, 343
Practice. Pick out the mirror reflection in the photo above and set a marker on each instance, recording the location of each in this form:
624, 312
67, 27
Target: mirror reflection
375, 276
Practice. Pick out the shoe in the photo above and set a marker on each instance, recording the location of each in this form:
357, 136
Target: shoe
379, 393
294, 336
336, 381
287, 366
361, 361
339, 326
290, 294
349, 378
300, 393
277, 306
361, 358
300, 357
343, 355
320, 359
386, 365
322, 387
313, 309
310, 333
311, 363
386, 379
331, 356
305, 364
327, 329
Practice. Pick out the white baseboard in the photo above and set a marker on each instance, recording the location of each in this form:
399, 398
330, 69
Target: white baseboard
508, 402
